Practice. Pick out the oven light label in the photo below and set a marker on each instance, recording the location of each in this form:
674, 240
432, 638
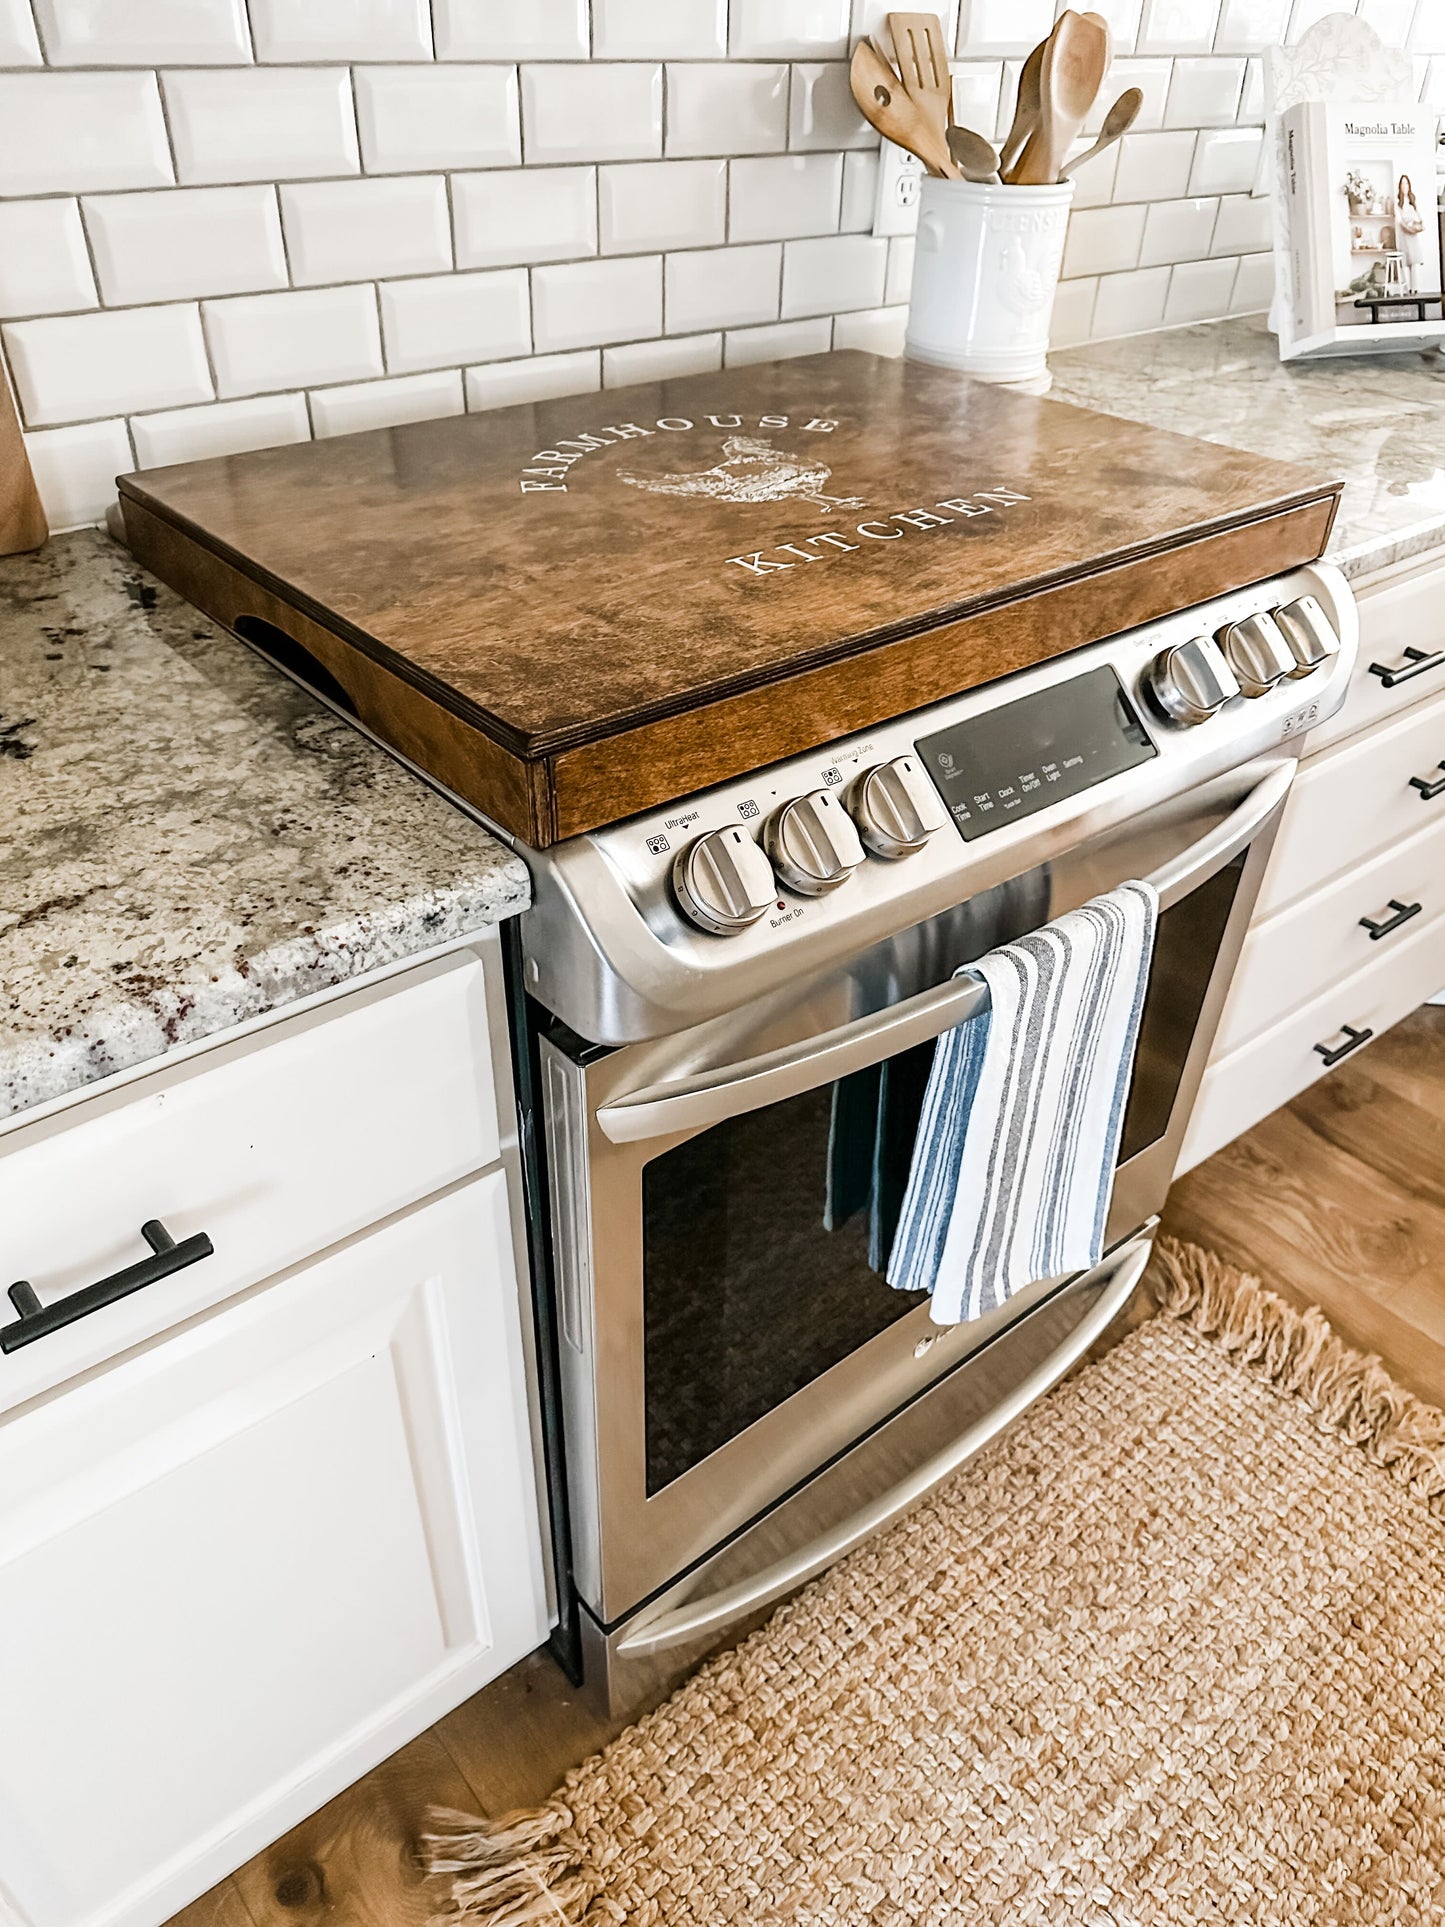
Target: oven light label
1300, 719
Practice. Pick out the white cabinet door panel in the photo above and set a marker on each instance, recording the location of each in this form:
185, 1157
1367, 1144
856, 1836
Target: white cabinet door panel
1407, 612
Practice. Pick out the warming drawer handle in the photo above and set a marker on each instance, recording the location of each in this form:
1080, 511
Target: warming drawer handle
1382, 926
698, 1616
38, 1321
694, 1103
1431, 785
1332, 1053
1416, 662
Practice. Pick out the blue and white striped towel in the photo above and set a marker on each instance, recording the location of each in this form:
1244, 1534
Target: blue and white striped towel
1014, 1160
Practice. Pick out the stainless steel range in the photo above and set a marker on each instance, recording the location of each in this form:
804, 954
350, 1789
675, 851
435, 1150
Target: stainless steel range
720, 990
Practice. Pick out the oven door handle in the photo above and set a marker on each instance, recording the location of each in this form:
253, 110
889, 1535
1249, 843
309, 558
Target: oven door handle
694, 1103
696, 1617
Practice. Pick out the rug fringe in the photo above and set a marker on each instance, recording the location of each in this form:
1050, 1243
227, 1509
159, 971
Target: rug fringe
1349, 1392
526, 1869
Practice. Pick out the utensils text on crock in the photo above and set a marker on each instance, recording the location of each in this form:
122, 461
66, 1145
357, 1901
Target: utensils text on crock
1070, 77
922, 57
1117, 122
975, 158
887, 105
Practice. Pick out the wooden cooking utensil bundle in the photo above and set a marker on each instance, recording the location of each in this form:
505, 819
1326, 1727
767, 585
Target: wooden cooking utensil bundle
1057, 88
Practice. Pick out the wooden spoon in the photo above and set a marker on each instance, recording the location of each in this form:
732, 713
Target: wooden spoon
977, 159
1117, 122
887, 105
1026, 108
1071, 75
923, 64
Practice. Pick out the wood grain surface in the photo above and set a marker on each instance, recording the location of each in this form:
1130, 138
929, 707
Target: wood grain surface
22, 519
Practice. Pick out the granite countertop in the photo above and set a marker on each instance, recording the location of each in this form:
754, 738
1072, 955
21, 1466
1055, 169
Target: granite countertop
188, 840
1377, 421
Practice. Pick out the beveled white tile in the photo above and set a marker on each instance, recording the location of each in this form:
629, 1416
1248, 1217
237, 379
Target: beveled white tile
127, 33
859, 206
386, 404
359, 230
540, 378
1177, 231
1253, 284
510, 29
18, 44
341, 29
265, 341
1391, 19
1130, 304
1199, 291
449, 319
780, 195
607, 111
1205, 93
219, 428
822, 111
1122, 18
646, 205
780, 341
659, 29
1226, 160
1304, 14
589, 304
976, 87
1094, 182
1073, 316
414, 118
44, 266
181, 242
1151, 77
262, 124
1251, 106
1155, 167
75, 471
870, 17
877, 331
518, 215
1245, 225
661, 360
721, 288
793, 29
1174, 27
1003, 26
72, 367
898, 283
1103, 240
69, 133
827, 276
732, 107
1247, 25
1427, 32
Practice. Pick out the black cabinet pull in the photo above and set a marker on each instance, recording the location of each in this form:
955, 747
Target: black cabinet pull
1353, 1040
1431, 785
1384, 925
1416, 662
37, 1320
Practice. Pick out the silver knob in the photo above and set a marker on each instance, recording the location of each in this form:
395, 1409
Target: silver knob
894, 807
1309, 633
1257, 653
1191, 680
723, 881
813, 844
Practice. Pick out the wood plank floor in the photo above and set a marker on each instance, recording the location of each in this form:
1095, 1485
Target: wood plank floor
1339, 1200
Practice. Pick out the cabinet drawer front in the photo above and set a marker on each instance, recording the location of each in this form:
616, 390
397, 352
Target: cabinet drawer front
1406, 614
1261, 1075
276, 1146
1291, 957
1355, 801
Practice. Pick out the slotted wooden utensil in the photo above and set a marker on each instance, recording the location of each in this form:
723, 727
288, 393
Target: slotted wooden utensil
922, 57
1070, 78
1117, 122
887, 105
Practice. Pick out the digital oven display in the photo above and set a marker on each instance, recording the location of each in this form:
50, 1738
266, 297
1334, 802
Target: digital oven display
1013, 761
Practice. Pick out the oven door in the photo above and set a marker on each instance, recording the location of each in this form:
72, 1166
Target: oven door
723, 1200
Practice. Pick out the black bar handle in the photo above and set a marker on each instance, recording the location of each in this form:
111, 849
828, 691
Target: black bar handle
1384, 925
1431, 785
1416, 662
38, 1321
1354, 1038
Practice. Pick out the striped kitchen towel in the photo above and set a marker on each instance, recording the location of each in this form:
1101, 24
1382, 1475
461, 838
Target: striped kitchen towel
1014, 1160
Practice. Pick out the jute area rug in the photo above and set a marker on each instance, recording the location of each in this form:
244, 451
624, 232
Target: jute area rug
1171, 1650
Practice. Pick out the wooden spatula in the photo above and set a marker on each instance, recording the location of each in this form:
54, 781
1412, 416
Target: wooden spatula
1069, 80
922, 57
887, 105
1026, 109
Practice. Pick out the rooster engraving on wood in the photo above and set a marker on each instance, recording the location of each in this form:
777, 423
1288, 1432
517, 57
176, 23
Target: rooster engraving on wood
751, 471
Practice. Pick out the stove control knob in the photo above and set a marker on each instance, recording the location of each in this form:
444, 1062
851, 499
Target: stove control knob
1191, 680
1309, 633
1258, 653
813, 844
723, 882
894, 807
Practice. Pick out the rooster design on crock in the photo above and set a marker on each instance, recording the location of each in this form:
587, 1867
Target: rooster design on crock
751, 470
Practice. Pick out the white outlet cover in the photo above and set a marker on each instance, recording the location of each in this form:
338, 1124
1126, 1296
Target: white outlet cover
900, 182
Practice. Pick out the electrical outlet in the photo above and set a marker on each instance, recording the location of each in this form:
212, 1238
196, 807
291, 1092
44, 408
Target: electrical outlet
900, 181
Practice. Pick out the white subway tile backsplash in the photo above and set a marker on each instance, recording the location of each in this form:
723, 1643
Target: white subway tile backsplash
1251, 105
356, 230
976, 85
1304, 14
1177, 231
1102, 240
731, 108
449, 319
264, 124
822, 111
780, 341
721, 288
1245, 224
18, 44
859, 203
220, 428
341, 29
1177, 27
898, 282
510, 29
75, 471
1246, 25
1199, 291
524, 214
647, 205
659, 29
74, 367
1155, 167
1253, 284
1390, 19
661, 360
266, 341
138, 33
448, 116
1130, 304
589, 304
44, 266
1094, 182
1073, 316
1226, 160
1427, 33
781, 195
610, 111
760, 29
69, 133
878, 331
831, 275
1151, 77
1122, 18
386, 404
1003, 26
502, 384
1205, 93
176, 244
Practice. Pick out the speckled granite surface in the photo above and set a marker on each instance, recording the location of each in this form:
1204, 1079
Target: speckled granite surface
1378, 422
186, 839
